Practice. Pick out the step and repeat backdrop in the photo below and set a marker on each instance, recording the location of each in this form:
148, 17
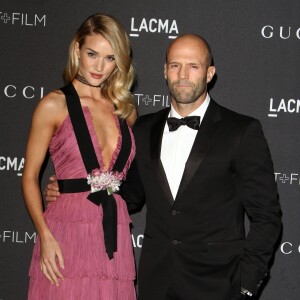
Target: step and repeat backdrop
256, 47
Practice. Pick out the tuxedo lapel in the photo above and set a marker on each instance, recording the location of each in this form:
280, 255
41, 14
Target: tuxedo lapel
156, 135
204, 138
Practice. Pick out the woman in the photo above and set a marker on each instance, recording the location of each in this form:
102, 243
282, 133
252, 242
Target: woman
84, 249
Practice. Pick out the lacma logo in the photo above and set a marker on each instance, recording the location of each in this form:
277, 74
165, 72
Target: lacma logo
12, 164
283, 106
137, 241
154, 26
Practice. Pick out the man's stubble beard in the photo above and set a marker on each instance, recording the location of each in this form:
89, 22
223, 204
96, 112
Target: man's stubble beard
187, 96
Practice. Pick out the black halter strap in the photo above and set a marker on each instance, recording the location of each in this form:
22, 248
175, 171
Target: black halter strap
80, 127
90, 161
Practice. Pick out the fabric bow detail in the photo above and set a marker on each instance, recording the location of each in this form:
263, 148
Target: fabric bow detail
109, 220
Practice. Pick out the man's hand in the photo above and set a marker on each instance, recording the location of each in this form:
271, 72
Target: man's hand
52, 190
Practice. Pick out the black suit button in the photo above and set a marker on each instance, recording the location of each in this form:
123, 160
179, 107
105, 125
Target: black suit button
175, 242
175, 212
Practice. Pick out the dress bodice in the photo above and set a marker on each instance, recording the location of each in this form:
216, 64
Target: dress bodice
65, 152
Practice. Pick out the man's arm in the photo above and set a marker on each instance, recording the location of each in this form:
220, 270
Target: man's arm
260, 199
132, 189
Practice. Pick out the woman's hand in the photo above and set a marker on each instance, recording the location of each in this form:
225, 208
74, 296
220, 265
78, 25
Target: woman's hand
50, 249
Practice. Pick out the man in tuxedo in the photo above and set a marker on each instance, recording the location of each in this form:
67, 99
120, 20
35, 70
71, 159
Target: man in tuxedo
200, 168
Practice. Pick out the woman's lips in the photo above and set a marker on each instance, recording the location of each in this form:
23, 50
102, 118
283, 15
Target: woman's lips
96, 76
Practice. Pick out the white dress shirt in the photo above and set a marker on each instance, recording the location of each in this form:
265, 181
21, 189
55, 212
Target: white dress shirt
176, 147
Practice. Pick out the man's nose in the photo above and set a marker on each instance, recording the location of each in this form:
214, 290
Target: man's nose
183, 72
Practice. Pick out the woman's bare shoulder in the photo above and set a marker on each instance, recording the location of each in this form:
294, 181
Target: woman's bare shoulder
54, 100
53, 106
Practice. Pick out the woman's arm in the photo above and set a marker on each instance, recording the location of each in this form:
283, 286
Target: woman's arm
47, 115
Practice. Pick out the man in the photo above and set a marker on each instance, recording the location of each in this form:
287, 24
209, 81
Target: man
198, 181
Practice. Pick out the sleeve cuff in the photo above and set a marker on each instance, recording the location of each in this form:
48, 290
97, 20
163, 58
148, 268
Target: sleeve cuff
246, 292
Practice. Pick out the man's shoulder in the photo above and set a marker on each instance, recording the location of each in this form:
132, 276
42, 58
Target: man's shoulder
231, 115
149, 119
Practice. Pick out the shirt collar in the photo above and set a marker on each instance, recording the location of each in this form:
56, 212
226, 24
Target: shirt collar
200, 111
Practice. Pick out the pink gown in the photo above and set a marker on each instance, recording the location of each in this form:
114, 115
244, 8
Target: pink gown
76, 223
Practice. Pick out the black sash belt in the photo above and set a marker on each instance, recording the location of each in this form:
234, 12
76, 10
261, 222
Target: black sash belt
73, 185
109, 207
90, 161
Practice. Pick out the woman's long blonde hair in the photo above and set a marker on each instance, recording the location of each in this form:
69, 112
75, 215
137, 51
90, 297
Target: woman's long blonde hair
117, 86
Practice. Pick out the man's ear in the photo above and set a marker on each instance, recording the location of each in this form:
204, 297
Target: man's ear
165, 71
210, 73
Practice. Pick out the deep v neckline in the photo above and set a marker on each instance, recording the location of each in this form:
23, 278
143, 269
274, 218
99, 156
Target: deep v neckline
97, 144
87, 140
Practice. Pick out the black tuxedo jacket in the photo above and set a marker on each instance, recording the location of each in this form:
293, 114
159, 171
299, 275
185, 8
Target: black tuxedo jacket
197, 242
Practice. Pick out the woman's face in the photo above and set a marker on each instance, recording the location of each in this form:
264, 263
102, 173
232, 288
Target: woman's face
96, 59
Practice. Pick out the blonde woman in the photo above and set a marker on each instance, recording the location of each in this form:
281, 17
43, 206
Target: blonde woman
84, 249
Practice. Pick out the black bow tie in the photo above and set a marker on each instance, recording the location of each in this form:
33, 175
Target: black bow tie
192, 122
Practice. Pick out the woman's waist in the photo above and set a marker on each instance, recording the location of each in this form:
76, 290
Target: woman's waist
97, 180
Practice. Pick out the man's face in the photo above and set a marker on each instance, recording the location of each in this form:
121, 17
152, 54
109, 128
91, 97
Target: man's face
187, 71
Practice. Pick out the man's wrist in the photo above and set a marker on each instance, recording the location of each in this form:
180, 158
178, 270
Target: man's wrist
246, 292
